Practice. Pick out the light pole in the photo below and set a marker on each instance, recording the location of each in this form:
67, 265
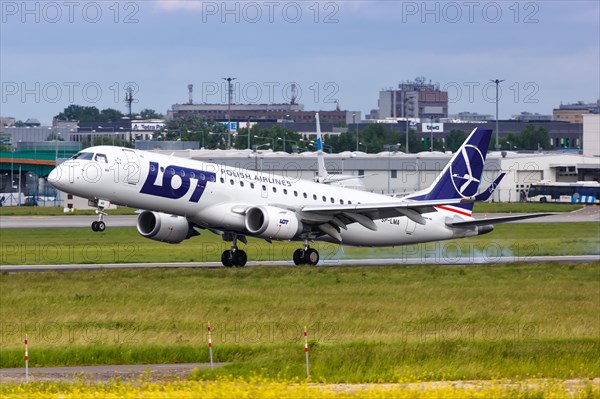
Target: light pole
112, 129
404, 109
284, 130
57, 140
266, 138
12, 174
308, 143
355, 129
55, 144
255, 150
229, 89
497, 81
431, 135
19, 193
366, 149
418, 174
248, 126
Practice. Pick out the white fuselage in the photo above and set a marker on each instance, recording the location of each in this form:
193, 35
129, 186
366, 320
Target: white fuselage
214, 196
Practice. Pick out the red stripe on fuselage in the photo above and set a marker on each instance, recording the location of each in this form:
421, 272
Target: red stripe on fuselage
454, 210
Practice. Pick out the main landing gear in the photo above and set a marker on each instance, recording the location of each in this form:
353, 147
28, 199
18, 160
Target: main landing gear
306, 255
234, 256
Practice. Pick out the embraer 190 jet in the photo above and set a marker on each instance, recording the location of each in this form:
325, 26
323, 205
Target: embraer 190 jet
178, 196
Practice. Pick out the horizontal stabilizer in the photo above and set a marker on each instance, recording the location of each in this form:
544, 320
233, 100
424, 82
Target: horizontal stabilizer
501, 219
486, 194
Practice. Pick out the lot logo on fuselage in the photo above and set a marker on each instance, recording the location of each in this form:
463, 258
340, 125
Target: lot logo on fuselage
176, 182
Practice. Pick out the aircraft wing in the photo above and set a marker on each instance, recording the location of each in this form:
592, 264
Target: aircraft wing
365, 214
500, 219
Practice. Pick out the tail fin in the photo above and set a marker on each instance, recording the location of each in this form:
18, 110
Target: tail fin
462, 175
322, 171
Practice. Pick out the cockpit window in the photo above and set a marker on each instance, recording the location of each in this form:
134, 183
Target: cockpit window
85, 156
101, 158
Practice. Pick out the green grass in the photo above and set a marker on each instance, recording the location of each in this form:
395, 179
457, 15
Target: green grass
366, 324
125, 245
518, 207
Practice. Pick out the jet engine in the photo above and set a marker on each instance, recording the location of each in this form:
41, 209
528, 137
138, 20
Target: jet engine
164, 227
270, 222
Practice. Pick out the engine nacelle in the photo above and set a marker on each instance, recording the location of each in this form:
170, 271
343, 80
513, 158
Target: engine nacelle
164, 227
272, 223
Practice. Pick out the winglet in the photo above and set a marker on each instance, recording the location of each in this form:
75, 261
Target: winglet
487, 193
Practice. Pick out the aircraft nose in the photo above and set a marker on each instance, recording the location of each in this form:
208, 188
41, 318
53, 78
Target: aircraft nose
54, 178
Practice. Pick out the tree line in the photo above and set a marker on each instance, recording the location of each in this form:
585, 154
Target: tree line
374, 138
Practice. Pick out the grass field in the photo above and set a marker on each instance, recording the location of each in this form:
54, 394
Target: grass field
480, 207
366, 324
125, 245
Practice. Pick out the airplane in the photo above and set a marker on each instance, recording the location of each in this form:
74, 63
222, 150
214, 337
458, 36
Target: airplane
178, 196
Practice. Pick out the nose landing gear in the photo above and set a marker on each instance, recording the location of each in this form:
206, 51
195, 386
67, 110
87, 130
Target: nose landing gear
99, 225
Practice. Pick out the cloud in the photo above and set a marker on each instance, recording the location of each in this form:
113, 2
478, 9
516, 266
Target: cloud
179, 5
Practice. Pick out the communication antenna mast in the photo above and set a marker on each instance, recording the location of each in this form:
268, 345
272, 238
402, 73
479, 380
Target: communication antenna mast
129, 99
229, 92
294, 94
191, 94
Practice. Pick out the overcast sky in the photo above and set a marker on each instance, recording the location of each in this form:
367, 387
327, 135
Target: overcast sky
53, 54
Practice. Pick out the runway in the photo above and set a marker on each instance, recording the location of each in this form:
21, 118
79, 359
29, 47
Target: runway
322, 263
587, 214
103, 373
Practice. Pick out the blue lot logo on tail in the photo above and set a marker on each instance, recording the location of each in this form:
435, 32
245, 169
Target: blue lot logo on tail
461, 178
469, 162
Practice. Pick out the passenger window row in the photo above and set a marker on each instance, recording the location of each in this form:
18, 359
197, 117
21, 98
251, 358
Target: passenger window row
285, 192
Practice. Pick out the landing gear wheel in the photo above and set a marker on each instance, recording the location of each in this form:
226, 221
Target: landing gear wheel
100, 226
94, 226
227, 258
298, 257
240, 258
306, 256
311, 256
